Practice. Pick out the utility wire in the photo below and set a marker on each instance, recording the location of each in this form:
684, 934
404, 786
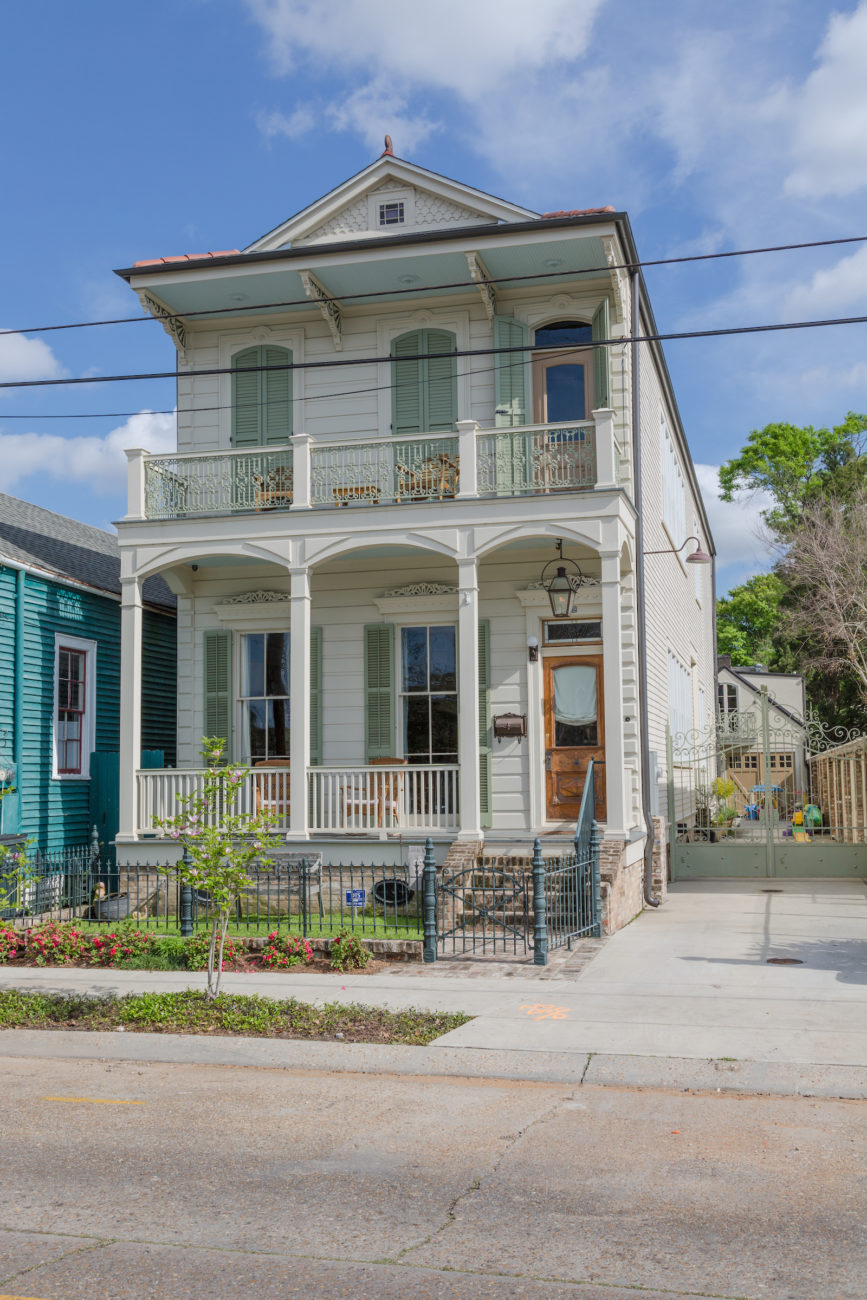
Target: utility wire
337, 362
415, 290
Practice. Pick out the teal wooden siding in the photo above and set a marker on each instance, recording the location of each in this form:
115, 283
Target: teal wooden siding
56, 813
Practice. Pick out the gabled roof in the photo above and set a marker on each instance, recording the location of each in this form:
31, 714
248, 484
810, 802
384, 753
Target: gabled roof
65, 548
741, 677
385, 173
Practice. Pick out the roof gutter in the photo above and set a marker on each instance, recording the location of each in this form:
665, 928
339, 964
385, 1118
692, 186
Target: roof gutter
47, 575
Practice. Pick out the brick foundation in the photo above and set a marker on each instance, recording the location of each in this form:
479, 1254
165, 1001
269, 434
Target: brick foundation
623, 886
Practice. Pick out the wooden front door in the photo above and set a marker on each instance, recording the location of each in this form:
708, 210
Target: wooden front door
574, 733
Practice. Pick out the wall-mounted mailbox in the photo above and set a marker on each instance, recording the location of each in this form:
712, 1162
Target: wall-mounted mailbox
510, 726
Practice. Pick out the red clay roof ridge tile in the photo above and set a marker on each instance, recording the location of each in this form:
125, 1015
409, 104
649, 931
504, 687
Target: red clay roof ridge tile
578, 212
187, 257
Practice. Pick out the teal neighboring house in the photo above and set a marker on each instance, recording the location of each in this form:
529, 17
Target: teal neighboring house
60, 676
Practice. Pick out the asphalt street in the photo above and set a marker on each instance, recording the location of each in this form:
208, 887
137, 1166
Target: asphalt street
130, 1179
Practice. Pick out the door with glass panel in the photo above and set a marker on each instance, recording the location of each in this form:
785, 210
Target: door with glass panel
562, 392
574, 733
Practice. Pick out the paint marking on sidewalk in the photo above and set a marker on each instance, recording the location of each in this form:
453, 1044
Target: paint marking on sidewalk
18, 1297
544, 1011
95, 1101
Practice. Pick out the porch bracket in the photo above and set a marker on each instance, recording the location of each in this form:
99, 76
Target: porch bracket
618, 276
171, 323
328, 305
481, 276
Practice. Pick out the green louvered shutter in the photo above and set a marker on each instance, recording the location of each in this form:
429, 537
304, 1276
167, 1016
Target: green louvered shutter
379, 690
316, 697
218, 687
277, 397
510, 372
601, 327
406, 404
439, 383
485, 743
246, 408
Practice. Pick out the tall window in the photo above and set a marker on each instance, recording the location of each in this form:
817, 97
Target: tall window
265, 694
673, 489
727, 698
261, 399
74, 706
679, 702
429, 694
424, 394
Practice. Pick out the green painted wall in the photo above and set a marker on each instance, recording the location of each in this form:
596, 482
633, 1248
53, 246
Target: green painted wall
56, 813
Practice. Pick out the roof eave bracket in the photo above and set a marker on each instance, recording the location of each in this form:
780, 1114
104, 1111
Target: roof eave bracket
328, 305
480, 274
170, 321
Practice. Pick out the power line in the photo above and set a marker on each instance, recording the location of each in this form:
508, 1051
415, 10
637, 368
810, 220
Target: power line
415, 290
338, 362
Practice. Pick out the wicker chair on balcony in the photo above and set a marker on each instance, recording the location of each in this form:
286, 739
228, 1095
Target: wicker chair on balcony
273, 489
436, 477
372, 806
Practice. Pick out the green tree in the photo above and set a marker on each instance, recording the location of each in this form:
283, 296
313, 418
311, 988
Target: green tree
748, 619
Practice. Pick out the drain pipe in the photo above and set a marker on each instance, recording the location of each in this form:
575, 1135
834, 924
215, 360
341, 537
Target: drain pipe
649, 898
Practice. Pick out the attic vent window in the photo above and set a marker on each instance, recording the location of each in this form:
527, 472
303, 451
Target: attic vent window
391, 214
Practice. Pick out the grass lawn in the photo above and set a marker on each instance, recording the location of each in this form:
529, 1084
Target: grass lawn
231, 1013
326, 926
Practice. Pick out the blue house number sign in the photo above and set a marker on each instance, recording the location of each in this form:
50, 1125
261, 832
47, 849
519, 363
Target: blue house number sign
356, 897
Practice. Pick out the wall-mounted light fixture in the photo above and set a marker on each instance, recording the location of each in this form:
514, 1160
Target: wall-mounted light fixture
698, 556
533, 648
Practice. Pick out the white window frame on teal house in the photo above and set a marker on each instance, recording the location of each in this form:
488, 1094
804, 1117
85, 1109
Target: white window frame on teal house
88, 723
229, 345
457, 323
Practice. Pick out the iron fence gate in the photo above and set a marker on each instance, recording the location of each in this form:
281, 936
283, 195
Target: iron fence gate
765, 794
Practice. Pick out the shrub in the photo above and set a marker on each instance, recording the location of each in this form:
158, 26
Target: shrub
52, 944
120, 948
198, 947
347, 952
11, 944
280, 953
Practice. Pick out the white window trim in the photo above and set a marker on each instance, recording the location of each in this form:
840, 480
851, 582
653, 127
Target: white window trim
88, 725
422, 618
406, 197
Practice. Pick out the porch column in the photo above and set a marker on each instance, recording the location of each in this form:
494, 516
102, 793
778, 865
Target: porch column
299, 701
468, 697
606, 454
130, 706
467, 484
616, 776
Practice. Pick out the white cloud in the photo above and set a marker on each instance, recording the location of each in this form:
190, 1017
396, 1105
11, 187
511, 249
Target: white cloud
829, 125
292, 127
833, 290
376, 108
99, 463
25, 358
736, 526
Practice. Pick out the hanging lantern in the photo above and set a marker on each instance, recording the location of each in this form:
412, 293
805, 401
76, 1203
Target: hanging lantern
563, 586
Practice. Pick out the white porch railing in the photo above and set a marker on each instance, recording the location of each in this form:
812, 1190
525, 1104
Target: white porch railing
536, 459
384, 470
219, 483
341, 800
379, 799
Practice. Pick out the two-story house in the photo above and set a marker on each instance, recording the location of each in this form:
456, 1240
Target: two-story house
401, 414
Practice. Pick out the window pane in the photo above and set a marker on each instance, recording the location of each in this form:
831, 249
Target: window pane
416, 735
443, 675
563, 332
76, 667
564, 387
63, 662
444, 728
72, 762
278, 735
277, 664
256, 728
414, 657
575, 705
254, 664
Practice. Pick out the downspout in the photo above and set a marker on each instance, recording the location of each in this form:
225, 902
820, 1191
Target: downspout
639, 597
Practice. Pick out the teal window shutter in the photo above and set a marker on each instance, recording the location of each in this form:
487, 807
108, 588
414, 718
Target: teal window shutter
316, 697
218, 687
510, 372
486, 803
261, 399
424, 392
379, 690
601, 330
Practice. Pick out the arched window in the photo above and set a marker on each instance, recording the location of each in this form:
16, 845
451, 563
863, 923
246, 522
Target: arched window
261, 399
424, 393
570, 385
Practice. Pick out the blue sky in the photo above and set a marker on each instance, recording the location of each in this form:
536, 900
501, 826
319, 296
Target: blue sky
167, 126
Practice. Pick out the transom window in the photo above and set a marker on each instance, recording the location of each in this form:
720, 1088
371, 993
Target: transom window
71, 709
265, 694
569, 633
429, 694
391, 214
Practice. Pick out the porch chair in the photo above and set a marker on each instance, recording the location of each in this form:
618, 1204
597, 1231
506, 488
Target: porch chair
272, 788
437, 476
384, 799
273, 489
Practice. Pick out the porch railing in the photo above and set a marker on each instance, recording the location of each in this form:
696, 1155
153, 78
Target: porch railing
378, 799
221, 483
526, 461
355, 800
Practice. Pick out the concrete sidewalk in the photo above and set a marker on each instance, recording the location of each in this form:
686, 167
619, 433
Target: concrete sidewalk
689, 983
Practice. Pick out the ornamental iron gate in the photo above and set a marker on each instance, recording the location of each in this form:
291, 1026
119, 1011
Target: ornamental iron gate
763, 794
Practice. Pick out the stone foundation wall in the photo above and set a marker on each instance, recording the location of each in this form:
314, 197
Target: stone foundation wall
623, 886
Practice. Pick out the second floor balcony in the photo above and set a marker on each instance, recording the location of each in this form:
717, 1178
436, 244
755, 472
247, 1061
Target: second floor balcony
522, 461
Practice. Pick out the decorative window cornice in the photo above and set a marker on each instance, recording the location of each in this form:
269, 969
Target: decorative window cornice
424, 589
256, 598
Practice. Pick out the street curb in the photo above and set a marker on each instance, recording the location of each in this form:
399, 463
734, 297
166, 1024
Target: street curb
569, 1068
